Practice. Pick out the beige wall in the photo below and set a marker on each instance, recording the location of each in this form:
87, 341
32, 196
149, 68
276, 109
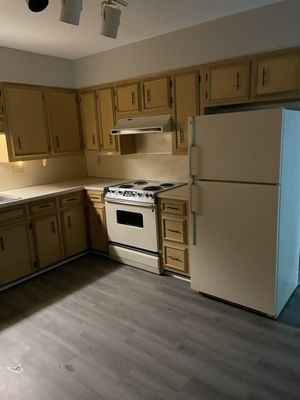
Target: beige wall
25, 67
34, 173
144, 166
267, 28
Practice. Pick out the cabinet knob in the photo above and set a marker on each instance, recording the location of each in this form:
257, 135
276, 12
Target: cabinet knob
237, 81
19, 143
148, 95
132, 98
263, 81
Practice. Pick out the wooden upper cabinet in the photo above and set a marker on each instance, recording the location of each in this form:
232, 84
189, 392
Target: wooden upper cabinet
227, 83
63, 119
27, 126
89, 120
277, 74
106, 113
128, 98
157, 94
186, 92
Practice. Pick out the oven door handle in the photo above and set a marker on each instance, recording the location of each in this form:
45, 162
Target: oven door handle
130, 203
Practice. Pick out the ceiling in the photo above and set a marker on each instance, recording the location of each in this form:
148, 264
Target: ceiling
44, 33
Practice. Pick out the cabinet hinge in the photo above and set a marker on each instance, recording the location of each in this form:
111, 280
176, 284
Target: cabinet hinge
30, 226
171, 83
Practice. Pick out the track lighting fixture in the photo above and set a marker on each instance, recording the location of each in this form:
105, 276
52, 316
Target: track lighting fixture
37, 5
70, 11
111, 15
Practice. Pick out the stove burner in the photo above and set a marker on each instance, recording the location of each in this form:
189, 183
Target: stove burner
167, 184
140, 182
126, 186
152, 188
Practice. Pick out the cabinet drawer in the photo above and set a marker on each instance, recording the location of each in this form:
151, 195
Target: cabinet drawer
174, 230
9, 215
173, 207
176, 258
45, 206
71, 199
95, 197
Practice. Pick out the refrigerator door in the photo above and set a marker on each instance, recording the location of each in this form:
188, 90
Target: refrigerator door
240, 146
235, 232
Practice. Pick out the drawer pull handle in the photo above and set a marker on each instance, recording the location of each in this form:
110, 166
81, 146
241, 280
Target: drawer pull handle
132, 98
263, 77
53, 227
172, 208
175, 259
2, 243
148, 95
45, 206
95, 198
73, 199
237, 81
173, 231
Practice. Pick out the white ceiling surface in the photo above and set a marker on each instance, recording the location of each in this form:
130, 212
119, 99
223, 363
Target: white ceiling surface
43, 32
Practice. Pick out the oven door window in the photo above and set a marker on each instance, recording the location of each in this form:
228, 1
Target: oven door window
130, 218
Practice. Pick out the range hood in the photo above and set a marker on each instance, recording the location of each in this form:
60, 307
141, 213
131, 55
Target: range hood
137, 125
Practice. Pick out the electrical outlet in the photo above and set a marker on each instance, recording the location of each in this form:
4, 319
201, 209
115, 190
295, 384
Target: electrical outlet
16, 168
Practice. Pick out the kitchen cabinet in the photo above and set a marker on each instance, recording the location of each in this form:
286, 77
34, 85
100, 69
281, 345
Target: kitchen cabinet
186, 94
97, 221
89, 120
46, 230
63, 120
174, 235
277, 75
27, 135
74, 223
107, 119
157, 97
128, 98
227, 83
17, 257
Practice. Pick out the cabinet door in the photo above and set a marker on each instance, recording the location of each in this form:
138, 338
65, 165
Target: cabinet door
15, 253
74, 231
97, 225
186, 105
62, 109
157, 94
26, 121
89, 120
106, 112
47, 241
128, 98
277, 74
227, 83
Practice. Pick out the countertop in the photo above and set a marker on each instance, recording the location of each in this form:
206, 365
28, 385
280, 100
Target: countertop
52, 189
179, 193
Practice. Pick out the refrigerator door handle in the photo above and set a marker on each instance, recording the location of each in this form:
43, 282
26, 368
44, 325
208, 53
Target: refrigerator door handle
195, 209
194, 161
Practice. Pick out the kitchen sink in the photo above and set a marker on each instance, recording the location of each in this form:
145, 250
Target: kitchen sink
6, 199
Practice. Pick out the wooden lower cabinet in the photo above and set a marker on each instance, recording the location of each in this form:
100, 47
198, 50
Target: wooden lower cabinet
16, 255
174, 236
47, 240
74, 228
97, 227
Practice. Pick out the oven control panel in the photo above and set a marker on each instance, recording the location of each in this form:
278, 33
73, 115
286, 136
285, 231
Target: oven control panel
130, 195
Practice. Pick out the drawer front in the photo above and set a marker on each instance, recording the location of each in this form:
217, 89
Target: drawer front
12, 214
173, 207
95, 197
43, 207
71, 199
176, 258
174, 230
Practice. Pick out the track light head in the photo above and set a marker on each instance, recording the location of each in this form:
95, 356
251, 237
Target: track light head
111, 15
37, 5
70, 11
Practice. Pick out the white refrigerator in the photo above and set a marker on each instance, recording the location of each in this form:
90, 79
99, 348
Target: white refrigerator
245, 207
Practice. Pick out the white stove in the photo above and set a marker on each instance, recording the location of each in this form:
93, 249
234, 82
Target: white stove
132, 222
138, 191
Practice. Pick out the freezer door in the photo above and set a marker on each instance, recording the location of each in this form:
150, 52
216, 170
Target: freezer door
240, 146
234, 254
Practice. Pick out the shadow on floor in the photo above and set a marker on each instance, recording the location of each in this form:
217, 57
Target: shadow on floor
26, 298
291, 313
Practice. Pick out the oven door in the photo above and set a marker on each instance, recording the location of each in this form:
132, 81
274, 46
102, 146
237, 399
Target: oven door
132, 225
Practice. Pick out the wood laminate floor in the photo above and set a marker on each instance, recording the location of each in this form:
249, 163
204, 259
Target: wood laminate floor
95, 329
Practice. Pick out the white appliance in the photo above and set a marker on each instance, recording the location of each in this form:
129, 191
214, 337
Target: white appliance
245, 207
132, 223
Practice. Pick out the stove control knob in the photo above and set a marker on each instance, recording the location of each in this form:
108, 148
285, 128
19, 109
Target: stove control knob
120, 192
151, 195
111, 191
140, 194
